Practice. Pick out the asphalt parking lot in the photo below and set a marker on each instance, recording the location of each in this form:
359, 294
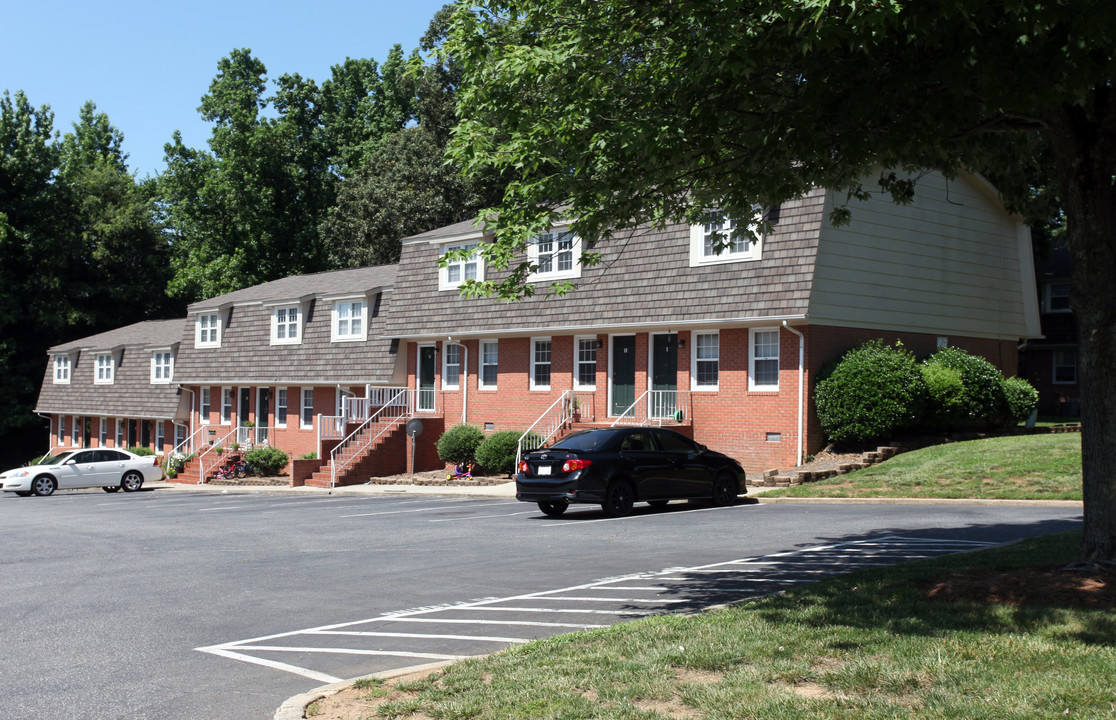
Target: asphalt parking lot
222, 605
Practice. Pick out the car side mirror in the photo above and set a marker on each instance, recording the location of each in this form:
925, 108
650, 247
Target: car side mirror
70, 462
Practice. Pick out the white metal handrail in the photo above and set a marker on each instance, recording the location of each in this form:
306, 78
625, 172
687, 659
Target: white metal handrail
355, 409
202, 455
249, 436
187, 443
655, 406
402, 401
553, 419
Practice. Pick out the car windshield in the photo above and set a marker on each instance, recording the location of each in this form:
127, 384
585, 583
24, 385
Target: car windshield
56, 459
586, 440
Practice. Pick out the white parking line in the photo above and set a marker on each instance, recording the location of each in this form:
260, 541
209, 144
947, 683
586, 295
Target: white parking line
485, 638
426, 509
482, 517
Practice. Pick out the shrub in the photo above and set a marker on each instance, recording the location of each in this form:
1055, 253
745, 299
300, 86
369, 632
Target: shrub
496, 453
267, 461
459, 444
1020, 399
874, 390
945, 395
141, 451
312, 455
984, 396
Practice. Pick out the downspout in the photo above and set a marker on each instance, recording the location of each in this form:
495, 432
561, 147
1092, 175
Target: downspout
465, 385
801, 388
190, 425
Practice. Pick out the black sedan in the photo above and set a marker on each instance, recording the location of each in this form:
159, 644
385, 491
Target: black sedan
618, 467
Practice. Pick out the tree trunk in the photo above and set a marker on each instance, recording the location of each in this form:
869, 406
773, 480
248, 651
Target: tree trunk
1086, 149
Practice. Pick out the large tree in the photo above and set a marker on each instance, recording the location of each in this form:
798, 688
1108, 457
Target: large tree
620, 112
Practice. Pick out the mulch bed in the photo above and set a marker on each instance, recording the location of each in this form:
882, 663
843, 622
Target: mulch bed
1053, 586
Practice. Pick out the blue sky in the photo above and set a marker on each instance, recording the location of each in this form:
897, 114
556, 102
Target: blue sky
147, 63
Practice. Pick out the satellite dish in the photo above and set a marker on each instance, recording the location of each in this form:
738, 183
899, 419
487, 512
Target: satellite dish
414, 428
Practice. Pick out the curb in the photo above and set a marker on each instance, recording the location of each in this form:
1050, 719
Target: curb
295, 708
916, 501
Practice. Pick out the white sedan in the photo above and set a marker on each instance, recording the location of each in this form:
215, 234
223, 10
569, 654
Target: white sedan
109, 469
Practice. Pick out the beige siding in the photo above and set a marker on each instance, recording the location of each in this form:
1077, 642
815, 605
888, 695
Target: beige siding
949, 263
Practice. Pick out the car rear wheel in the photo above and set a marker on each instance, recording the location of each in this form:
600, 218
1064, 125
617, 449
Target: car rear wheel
619, 498
725, 490
554, 509
132, 481
111, 488
43, 485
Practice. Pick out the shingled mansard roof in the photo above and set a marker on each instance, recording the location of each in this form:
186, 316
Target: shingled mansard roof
131, 393
644, 279
246, 355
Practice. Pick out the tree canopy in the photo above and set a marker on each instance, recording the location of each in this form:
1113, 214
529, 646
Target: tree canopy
621, 112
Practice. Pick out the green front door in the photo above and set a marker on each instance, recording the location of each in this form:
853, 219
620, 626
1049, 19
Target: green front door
426, 368
623, 373
664, 375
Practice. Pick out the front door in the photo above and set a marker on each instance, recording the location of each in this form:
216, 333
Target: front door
664, 375
263, 414
623, 373
426, 369
243, 415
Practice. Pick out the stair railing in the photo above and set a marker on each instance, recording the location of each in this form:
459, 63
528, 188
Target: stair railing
403, 403
202, 455
655, 406
549, 423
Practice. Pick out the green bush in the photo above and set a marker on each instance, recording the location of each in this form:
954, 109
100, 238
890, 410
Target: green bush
312, 455
874, 390
496, 453
459, 444
141, 451
1020, 397
945, 396
267, 461
984, 396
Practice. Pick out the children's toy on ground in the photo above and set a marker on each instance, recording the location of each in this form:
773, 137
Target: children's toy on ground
461, 472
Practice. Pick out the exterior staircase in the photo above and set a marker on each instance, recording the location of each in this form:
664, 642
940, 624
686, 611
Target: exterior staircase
359, 461
191, 471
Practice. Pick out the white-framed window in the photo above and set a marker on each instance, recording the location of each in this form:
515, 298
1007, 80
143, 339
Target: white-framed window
61, 431
540, 363
206, 405
555, 256
723, 239
763, 361
306, 414
102, 434
226, 405
179, 435
286, 325
61, 369
489, 364
457, 272
1065, 367
281, 407
348, 320
706, 370
162, 366
105, 369
160, 435
119, 432
208, 330
1057, 297
585, 363
75, 437
451, 366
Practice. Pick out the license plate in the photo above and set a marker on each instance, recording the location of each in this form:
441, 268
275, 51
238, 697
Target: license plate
543, 470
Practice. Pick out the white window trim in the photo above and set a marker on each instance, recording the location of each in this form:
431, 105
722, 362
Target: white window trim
535, 386
160, 436
102, 434
481, 365
752, 386
698, 257
169, 367
215, 329
63, 367
227, 417
302, 405
555, 274
110, 369
120, 432
286, 393
75, 438
205, 405
61, 436
446, 385
286, 309
577, 384
1054, 369
335, 336
694, 386
1048, 297
444, 283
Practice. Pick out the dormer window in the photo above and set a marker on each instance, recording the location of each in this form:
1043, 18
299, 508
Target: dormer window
555, 256
348, 320
286, 325
208, 330
723, 239
162, 366
105, 370
62, 370
456, 272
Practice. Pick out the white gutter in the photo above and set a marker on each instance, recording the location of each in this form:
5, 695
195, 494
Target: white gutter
801, 389
465, 385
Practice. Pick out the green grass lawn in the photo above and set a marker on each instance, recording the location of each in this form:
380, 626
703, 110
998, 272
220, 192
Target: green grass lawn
1039, 467
864, 646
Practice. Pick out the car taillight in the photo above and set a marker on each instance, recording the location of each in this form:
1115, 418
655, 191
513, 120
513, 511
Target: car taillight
155, 460
523, 467
578, 464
